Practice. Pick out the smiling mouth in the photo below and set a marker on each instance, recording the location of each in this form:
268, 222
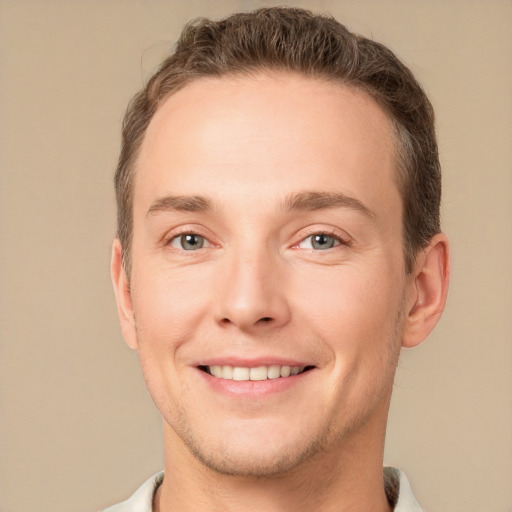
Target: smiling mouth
241, 373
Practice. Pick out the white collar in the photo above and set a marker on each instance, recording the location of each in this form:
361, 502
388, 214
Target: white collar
396, 484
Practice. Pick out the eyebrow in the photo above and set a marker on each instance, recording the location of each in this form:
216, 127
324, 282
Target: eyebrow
301, 201
180, 204
310, 201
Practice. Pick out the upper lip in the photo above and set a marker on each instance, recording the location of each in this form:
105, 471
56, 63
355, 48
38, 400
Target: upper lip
252, 362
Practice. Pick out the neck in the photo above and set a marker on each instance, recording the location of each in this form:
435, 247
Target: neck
348, 477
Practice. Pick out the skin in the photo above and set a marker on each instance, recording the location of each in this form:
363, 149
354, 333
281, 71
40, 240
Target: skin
259, 152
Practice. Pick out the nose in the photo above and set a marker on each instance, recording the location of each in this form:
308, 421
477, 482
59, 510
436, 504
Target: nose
252, 291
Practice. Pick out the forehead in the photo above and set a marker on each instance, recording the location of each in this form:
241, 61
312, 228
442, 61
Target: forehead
244, 131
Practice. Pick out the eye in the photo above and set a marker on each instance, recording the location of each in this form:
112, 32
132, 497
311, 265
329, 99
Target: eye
188, 242
320, 242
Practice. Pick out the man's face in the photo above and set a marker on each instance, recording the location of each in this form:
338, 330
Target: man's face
267, 240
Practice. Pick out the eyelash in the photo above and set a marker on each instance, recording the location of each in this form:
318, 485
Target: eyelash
176, 236
339, 241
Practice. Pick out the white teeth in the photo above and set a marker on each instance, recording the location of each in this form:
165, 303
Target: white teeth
285, 371
227, 372
274, 372
256, 373
240, 373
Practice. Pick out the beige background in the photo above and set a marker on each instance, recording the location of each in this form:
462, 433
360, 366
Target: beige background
78, 430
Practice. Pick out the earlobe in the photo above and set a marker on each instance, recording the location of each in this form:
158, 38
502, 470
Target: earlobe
123, 296
428, 291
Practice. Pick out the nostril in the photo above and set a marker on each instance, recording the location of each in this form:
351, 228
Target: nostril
246, 323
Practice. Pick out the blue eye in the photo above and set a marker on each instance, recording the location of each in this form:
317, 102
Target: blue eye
320, 242
188, 242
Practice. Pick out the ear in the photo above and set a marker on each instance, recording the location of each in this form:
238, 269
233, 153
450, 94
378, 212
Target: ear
427, 290
123, 296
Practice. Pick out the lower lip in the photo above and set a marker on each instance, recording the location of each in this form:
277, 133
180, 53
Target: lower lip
252, 388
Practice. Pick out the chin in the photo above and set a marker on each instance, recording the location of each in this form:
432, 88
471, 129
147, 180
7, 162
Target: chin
257, 454
266, 463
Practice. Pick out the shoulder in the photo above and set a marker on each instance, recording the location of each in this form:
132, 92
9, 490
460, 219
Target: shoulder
399, 492
142, 499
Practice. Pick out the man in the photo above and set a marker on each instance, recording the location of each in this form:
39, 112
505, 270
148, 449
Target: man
278, 212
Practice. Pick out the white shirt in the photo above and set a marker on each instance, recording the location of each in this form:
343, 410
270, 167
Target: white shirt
396, 484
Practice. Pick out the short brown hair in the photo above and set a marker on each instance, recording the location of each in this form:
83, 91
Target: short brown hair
296, 40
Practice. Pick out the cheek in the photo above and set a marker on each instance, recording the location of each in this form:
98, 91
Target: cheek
168, 305
356, 313
169, 309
